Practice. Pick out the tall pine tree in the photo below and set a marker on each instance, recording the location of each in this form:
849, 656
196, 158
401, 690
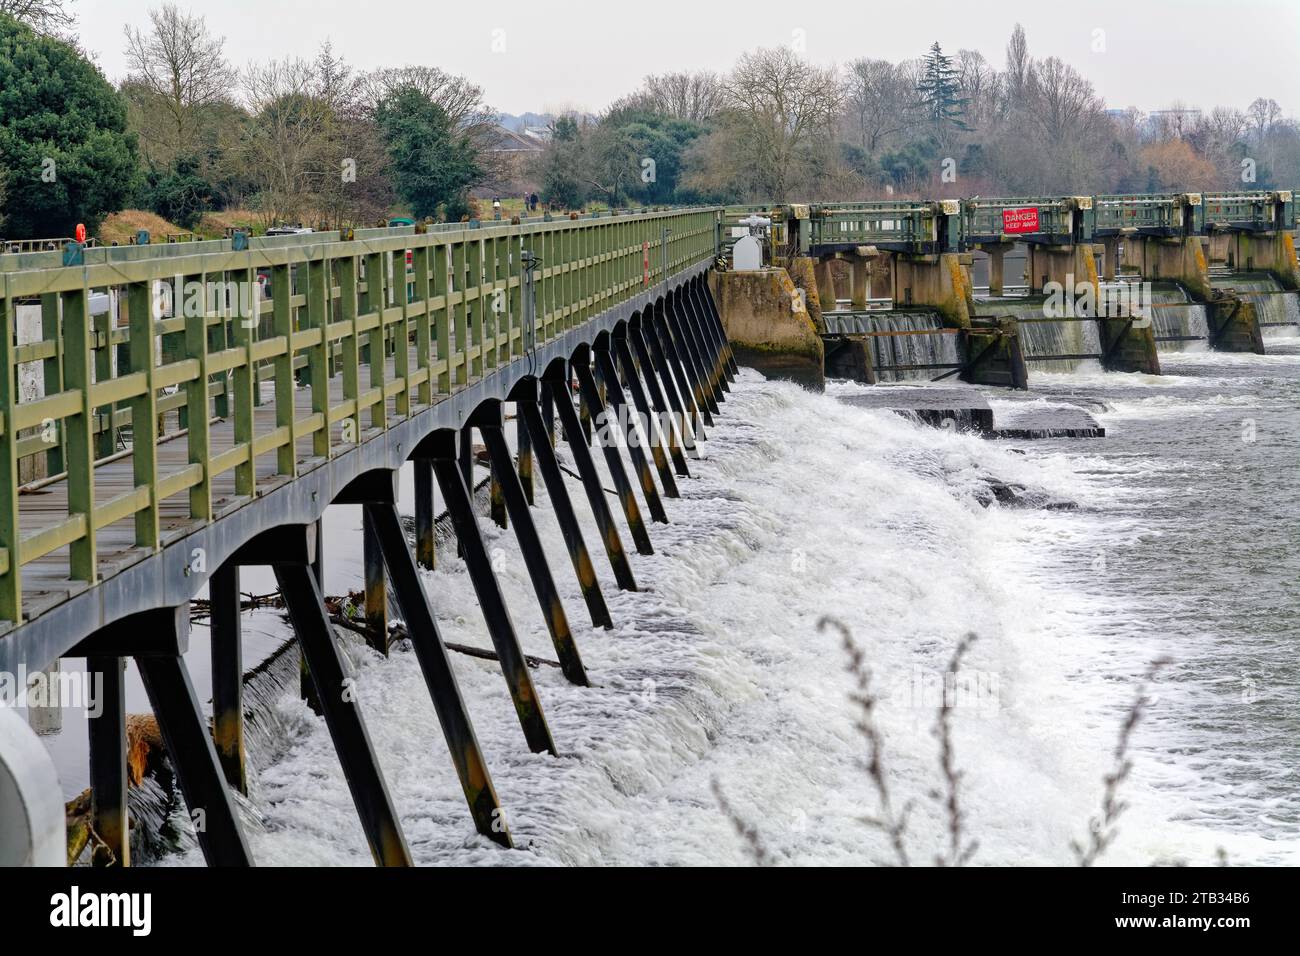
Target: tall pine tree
941, 94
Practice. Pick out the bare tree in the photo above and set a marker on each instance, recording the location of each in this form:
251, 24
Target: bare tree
877, 98
1263, 114
177, 68
781, 105
51, 17
980, 85
1019, 66
285, 143
687, 96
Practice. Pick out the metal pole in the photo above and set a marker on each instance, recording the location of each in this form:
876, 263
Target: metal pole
425, 551
647, 415
192, 754
108, 782
426, 641
548, 595
569, 527
337, 693
595, 494
227, 674
376, 589
620, 410
528, 705
631, 510
674, 421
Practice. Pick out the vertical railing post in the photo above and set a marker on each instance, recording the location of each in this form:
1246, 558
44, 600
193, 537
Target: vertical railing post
80, 450
52, 374
243, 327
105, 432
376, 302
350, 347
442, 323
286, 455
144, 410
460, 315
401, 294
198, 440
319, 287
424, 320
10, 533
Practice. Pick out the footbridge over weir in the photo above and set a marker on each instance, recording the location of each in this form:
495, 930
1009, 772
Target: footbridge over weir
181, 411
853, 261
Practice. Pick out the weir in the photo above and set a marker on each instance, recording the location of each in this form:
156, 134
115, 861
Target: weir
367, 364
909, 257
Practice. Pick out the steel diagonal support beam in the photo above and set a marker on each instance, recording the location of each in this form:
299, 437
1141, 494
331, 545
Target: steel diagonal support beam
674, 380
709, 349
426, 641
158, 640
619, 414
440, 446
623, 487
648, 418
337, 694
669, 412
689, 380
688, 321
548, 595
569, 527
713, 320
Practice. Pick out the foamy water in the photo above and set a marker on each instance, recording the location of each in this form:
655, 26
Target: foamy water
715, 671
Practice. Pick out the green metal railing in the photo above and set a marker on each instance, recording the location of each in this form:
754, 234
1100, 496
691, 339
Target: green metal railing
1164, 214
912, 225
396, 317
1061, 218
1251, 211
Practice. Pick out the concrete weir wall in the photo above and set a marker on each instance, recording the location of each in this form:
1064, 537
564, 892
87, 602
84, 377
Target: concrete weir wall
1180, 260
937, 281
769, 325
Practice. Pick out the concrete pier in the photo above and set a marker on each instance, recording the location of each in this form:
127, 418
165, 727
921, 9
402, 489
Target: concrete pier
938, 281
769, 326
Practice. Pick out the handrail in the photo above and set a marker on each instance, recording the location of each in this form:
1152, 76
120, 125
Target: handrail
400, 318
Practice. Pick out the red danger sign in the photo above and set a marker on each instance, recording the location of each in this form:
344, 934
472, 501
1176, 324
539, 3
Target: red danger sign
1020, 220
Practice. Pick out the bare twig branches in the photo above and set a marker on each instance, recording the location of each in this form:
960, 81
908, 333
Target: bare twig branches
1102, 831
894, 825
958, 853
745, 830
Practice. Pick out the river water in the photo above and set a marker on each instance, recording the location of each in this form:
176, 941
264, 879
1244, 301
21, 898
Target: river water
1181, 545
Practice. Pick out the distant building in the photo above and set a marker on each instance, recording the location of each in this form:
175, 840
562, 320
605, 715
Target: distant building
510, 156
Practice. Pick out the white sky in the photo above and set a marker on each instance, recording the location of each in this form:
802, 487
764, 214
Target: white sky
585, 53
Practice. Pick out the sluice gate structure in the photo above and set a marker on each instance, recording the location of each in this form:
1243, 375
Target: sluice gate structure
196, 407
888, 285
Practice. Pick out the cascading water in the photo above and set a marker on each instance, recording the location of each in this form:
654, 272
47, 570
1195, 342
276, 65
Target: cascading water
1179, 324
1278, 310
1042, 335
804, 505
894, 350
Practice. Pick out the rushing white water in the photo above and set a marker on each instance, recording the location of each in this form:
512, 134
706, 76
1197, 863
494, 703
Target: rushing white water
716, 670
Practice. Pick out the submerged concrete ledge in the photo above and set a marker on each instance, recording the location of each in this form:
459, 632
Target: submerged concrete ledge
967, 410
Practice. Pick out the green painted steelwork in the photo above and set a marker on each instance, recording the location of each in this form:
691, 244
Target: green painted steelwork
1157, 214
337, 310
1247, 211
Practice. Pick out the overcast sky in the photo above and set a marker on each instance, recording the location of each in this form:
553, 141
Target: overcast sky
554, 54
